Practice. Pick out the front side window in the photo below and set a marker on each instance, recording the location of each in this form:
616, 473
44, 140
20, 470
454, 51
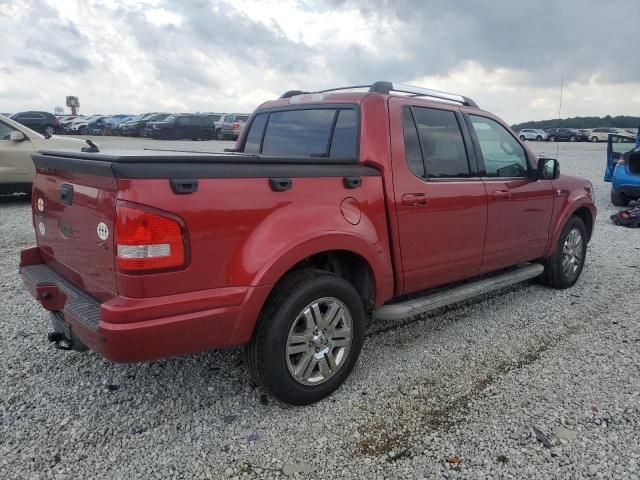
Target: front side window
503, 155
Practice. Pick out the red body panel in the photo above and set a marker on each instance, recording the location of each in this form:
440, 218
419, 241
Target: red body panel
242, 237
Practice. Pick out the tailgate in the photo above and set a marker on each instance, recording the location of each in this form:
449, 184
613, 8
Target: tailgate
73, 213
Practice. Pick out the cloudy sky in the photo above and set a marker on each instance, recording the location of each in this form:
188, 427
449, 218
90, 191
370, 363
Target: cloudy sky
123, 56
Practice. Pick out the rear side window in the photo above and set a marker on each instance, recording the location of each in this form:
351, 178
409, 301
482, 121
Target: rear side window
254, 138
441, 143
343, 143
412, 153
317, 132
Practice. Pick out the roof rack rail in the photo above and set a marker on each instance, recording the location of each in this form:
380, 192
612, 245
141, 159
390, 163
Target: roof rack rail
388, 87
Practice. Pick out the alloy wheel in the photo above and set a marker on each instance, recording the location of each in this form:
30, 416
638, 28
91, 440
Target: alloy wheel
572, 253
319, 341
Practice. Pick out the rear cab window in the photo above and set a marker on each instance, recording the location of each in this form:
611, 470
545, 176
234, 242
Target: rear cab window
318, 132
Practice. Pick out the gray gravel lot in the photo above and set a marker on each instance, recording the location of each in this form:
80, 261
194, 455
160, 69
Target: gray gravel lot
529, 383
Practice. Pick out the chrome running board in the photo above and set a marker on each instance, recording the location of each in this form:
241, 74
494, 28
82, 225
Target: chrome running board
433, 301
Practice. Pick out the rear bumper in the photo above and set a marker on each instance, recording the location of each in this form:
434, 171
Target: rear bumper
131, 330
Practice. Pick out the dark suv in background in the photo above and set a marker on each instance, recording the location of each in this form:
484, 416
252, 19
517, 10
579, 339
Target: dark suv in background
136, 126
563, 134
43, 122
231, 126
183, 126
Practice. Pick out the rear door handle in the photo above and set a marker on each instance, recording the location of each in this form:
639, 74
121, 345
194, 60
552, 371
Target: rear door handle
414, 199
501, 194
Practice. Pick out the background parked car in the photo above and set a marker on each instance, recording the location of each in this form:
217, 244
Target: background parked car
137, 125
111, 123
562, 134
532, 134
43, 122
232, 125
80, 125
17, 144
583, 134
183, 126
602, 134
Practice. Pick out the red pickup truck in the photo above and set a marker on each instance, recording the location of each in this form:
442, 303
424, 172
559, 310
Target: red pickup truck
334, 207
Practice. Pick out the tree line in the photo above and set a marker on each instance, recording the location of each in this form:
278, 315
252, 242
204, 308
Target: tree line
619, 121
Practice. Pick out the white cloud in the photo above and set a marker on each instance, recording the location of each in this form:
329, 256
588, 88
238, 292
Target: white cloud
131, 56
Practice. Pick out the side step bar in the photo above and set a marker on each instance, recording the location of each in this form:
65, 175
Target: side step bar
433, 301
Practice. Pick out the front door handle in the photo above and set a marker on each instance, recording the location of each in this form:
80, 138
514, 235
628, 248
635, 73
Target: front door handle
501, 194
414, 199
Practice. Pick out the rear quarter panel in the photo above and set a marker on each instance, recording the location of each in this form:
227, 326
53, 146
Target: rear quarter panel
241, 233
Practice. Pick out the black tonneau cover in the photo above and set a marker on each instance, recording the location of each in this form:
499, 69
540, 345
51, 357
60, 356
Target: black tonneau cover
177, 164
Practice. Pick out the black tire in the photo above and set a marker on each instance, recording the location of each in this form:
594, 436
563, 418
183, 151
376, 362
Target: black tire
266, 353
619, 199
523, 138
552, 138
539, 138
594, 139
572, 138
165, 135
82, 131
554, 275
49, 130
219, 134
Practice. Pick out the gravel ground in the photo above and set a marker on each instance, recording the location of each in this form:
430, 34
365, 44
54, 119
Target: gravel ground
529, 383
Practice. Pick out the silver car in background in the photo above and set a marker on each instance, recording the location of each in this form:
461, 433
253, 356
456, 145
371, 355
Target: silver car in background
532, 134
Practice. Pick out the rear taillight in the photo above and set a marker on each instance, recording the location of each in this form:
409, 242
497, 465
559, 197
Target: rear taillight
147, 240
236, 125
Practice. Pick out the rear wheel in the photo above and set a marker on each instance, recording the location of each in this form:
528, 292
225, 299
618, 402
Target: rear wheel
619, 199
49, 130
594, 139
563, 267
572, 138
308, 337
523, 138
219, 134
539, 138
552, 138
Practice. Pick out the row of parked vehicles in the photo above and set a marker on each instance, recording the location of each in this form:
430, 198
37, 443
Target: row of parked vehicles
197, 126
571, 134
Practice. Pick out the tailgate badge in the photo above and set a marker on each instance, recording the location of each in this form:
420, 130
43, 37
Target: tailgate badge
41, 228
103, 231
40, 205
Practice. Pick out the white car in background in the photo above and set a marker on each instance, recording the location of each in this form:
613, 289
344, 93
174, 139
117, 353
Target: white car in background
17, 144
532, 134
602, 134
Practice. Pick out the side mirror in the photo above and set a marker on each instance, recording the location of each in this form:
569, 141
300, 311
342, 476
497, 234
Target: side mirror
16, 136
548, 169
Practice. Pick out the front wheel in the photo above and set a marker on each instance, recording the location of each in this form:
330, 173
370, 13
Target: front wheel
564, 266
572, 138
594, 139
308, 337
552, 138
49, 130
523, 138
219, 134
539, 138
